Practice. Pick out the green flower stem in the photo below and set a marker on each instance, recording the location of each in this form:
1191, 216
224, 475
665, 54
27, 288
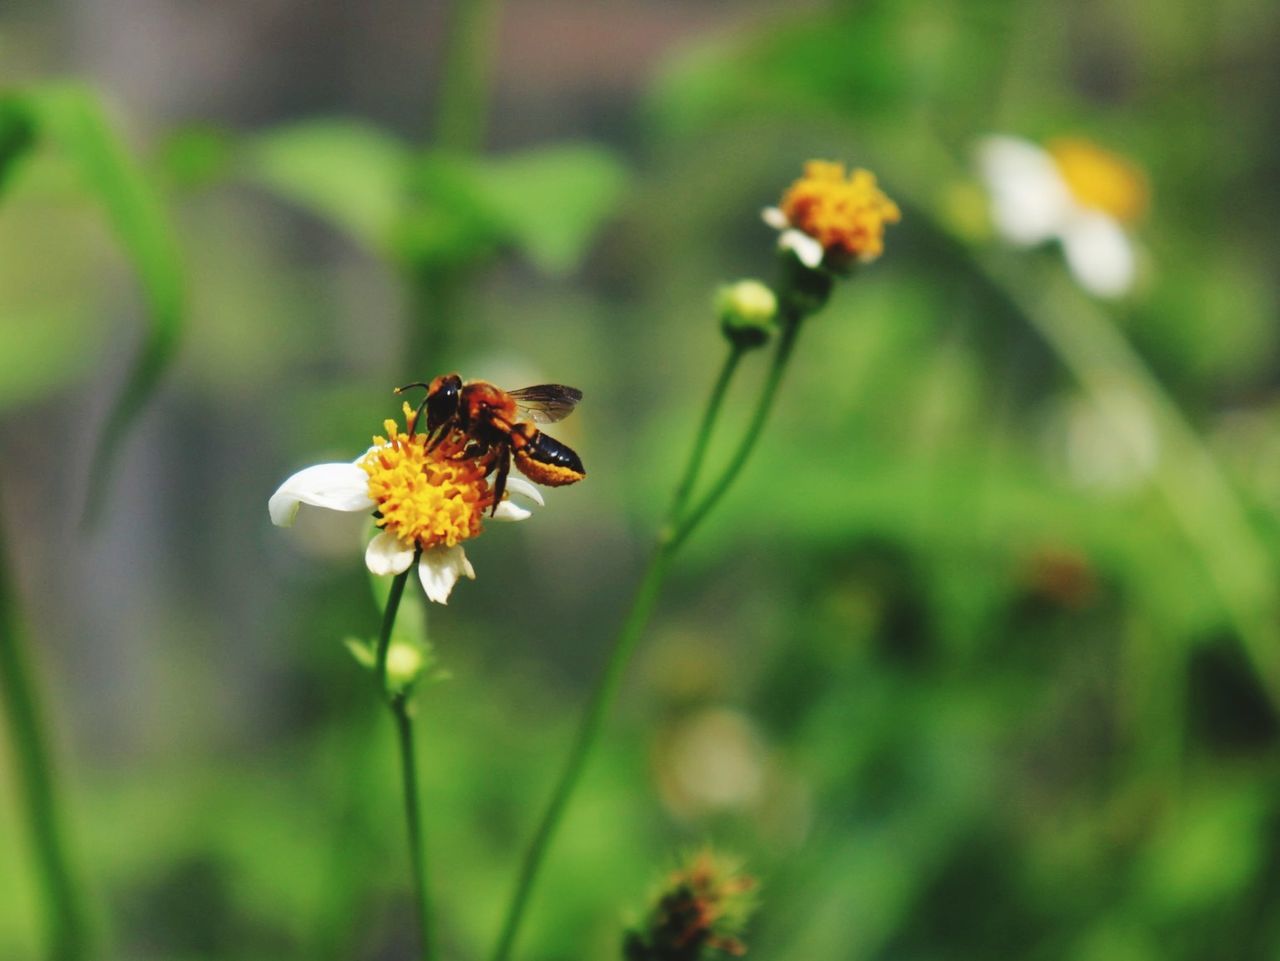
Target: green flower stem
606, 691
593, 717
462, 108
701, 442
65, 914
400, 710
695, 516
389, 623
413, 819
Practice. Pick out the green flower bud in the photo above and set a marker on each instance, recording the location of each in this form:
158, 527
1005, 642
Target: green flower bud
405, 662
747, 311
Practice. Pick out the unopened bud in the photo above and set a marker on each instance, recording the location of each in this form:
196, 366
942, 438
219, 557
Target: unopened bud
747, 312
404, 664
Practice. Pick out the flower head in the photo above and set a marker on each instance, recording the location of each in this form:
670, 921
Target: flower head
699, 914
831, 219
1073, 192
426, 500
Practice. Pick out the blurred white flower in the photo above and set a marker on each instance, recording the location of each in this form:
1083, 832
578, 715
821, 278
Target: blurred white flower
712, 761
427, 503
1073, 192
1108, 442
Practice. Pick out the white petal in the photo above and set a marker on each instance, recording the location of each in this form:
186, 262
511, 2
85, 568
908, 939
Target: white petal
1030, 202
775, 218
522, 488
440, 568
339, 487
510, 511
807, 249
1100, 254
387, 554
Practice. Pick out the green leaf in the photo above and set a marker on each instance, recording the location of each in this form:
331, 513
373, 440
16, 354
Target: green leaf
350, 174
552, 200
363, 651
74, 119
547, 202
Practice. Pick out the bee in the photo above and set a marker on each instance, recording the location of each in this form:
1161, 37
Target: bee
499, 425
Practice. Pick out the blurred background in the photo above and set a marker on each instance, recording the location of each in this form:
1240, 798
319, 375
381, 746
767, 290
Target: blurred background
979, 659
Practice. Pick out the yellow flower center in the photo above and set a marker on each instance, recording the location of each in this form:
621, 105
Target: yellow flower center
429, 498
1100, 179
845, 214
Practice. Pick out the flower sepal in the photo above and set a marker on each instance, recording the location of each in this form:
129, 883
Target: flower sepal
804, 291
409, 662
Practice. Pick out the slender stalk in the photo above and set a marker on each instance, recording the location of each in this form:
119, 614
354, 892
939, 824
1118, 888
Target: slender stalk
389, 623
695, 516
400, 710
413, 821
589, 727
606, 690
703, 439
63, 904
461, 110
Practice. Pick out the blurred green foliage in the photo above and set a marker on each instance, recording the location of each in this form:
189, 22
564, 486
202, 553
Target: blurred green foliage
991, 612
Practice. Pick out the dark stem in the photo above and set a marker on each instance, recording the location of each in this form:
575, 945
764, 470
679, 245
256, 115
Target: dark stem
461, 110
65, 914
389, 622
413, 821
606, 691
703, 438
588, 734
400, 710
786, 344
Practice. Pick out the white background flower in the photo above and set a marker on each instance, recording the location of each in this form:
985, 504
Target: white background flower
345, 487
1032, 203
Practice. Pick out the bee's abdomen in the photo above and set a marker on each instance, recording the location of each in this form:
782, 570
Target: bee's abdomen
547, 461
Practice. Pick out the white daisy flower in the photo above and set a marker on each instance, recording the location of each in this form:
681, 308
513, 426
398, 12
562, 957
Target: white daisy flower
1073, 192
427, 502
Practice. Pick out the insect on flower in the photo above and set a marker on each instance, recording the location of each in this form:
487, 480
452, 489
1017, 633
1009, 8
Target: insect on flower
485, 422
427, 498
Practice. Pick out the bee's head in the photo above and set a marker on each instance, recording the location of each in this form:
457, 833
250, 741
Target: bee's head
442, 400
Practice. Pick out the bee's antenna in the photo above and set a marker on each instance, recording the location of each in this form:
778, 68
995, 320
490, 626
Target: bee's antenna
417, 413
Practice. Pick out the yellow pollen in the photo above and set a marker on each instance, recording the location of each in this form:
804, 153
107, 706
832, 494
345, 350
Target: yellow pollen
844, 214
428, 498
1100, 179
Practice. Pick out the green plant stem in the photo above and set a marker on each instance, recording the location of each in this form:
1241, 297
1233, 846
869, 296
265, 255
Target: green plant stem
606, 690
389, 623
400, 711
461, 110
65, 914
695, 516
413, 820
703, 439
589, 727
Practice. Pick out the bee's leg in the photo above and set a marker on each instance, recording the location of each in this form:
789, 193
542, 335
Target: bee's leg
500, 481
444, 431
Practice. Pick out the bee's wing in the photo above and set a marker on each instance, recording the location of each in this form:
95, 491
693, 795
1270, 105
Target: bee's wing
546, 403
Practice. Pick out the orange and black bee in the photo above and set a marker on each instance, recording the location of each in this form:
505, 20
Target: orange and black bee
499, 424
